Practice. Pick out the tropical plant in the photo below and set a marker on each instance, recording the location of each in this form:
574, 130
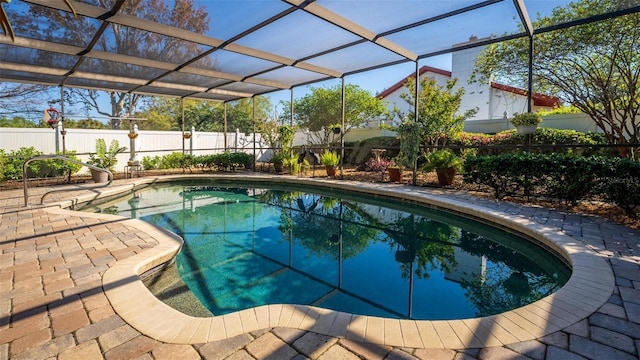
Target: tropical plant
441, 160
106, 158
526, 119
330, 158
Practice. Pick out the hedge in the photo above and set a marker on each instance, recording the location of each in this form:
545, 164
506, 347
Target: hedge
11, 165
510, 139
565, 177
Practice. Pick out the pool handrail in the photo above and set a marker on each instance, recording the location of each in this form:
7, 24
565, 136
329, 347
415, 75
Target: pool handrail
64, 158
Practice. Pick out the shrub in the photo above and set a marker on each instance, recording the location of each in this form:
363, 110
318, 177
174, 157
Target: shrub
55, 167
15, 159
565, 177
171, 161
151, 163
508, 142
501, 173
620, 184
11, 164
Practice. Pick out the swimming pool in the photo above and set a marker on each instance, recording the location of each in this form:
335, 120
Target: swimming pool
245, 247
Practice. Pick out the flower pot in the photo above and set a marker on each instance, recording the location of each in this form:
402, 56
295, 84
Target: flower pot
395, 174
526, 129
278, 166
186, 135
99, 176
132, 135
249, 165
331, 170
446, 176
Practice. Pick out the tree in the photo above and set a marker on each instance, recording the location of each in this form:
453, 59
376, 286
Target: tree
438, 108
17, 122
65, 28
166, 114
25, 100
594, 67
85, 124
161, 114
322, 109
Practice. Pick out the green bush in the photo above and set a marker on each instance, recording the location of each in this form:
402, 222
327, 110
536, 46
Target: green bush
55, 167
501, 173
565, 177
223, 161
620, 184
509, 140
11, 165
568, 178
173, 160
15, 159
151, 163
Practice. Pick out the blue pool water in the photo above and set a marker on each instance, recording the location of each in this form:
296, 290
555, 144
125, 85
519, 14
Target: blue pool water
248, 246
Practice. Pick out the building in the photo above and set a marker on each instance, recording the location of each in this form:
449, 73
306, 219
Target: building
493, 100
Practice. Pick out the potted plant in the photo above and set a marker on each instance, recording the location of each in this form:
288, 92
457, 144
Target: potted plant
278, 159
330, 159
446, 164
395, 171
526, 123
105, 158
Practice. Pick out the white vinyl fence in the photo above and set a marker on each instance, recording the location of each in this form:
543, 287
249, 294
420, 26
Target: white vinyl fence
148, 143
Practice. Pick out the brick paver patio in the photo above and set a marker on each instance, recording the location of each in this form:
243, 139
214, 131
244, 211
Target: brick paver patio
53, 302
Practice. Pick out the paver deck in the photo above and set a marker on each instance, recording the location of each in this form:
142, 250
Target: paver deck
69, 289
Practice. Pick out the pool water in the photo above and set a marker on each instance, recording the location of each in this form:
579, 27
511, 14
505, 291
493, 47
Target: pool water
248, 246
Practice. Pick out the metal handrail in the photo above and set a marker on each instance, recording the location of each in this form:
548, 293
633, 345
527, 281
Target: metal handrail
59, 157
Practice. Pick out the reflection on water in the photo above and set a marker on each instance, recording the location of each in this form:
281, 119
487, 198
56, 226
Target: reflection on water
247, 247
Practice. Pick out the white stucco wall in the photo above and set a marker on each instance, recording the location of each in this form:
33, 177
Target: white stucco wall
491, 103
477, 95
